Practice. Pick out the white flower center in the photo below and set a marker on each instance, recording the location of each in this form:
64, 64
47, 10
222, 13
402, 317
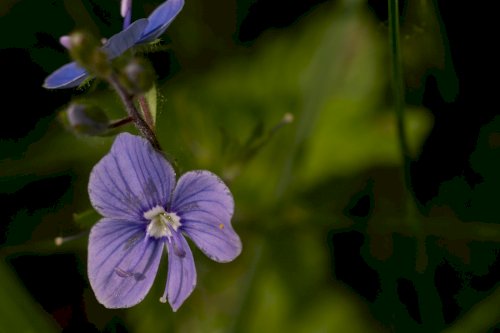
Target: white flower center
161, 223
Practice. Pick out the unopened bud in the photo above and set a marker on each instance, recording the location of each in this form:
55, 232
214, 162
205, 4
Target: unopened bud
125, 7
86, 119
65, 41
81, 45
137, 76
86, 51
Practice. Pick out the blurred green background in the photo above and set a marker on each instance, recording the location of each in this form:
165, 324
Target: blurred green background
332, 239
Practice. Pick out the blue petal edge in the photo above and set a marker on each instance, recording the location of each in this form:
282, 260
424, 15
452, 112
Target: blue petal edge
124, 40
68, 76
160, 19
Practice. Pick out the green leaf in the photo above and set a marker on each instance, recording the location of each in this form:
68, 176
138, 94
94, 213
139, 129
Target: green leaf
151, 98
334, 311
18, 311
86, 219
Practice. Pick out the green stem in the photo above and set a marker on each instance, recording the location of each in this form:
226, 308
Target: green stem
148, 117
398, 85
132, 111
143, 127
398, 92
412, 219
119, 122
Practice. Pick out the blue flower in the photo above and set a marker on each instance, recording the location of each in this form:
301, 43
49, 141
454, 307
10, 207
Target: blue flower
139, 32
126, 12
145, 212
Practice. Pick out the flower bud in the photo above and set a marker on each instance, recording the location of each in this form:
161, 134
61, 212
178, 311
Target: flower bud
87, 52
86, 119
81, 45
137, 76
65, 41
126, 6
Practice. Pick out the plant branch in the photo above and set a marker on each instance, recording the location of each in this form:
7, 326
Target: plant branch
120, 122
397, 84
132, 111
148, 117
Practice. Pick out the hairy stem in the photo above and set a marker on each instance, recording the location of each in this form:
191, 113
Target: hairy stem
120, 122
148, 117
132, 111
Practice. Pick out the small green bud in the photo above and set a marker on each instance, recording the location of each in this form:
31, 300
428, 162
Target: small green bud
81, 46
86, 119
137, 76
86, 51
101, 65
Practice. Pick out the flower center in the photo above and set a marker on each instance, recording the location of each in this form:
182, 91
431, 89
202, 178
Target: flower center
161, 223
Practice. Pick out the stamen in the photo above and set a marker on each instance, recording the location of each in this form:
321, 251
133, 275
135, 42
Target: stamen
163, 298
152, 213
162, 224
288, 118
61, 240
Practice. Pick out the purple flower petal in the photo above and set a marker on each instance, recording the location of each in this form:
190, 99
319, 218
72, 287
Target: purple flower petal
160, 19
130, 180
181, 278
125, 39
68, 76
125, 8
71, 75
205, 206
122, 262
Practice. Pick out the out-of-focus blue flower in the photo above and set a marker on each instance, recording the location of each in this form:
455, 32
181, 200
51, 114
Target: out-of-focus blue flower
145, 211
139, 32
126, 12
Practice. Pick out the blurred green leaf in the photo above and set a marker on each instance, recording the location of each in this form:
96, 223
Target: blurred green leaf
18, 311
362, 139
482, 317
271, 305
86, 219
331, 74
334, 311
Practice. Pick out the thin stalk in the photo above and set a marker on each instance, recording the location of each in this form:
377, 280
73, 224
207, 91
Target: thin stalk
120, 122
148, 117
140, 123
58, 241
398, 85
398, 92
414, 223
132, 111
